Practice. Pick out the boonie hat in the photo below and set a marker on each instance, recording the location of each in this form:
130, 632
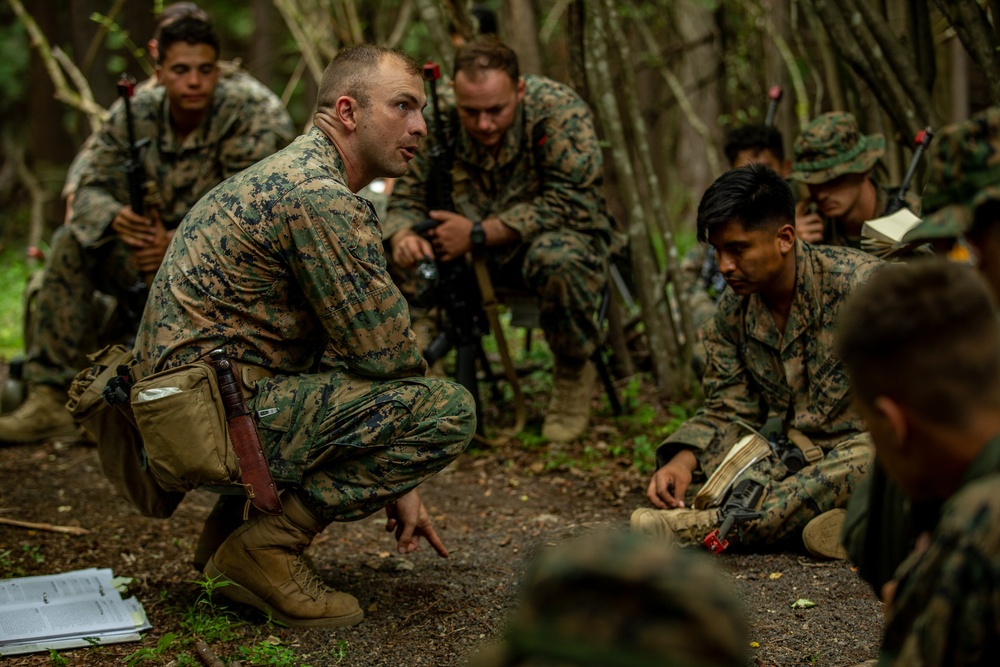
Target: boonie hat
964, 174
831, 146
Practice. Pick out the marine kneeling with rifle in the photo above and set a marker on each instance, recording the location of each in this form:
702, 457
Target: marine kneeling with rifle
525, 170
769, 352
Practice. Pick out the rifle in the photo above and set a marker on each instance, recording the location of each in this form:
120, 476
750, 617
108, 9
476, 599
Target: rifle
135, 295
740, 507
451, 285
922, 141
135, 174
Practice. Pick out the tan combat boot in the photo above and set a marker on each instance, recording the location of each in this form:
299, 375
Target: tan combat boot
681, 525
262, 565
822, 535
226, 517
569, 407
42, 416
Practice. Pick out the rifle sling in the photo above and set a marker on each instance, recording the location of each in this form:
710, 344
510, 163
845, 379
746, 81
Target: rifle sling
489, 300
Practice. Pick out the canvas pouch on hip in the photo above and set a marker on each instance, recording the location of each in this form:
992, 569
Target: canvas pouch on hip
182, 420
119, 444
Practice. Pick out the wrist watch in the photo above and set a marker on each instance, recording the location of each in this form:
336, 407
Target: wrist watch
477, 236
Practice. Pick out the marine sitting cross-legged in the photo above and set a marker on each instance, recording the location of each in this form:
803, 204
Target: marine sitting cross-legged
282, 267
769, 351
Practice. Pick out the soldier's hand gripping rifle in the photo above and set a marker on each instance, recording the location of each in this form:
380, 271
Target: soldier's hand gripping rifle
453, 286
922, 141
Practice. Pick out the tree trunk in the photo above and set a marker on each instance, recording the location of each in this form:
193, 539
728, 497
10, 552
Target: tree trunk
521, 34
658, 328
973, 28
262, 54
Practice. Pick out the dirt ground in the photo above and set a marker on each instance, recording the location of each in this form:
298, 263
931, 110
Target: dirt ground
493, 509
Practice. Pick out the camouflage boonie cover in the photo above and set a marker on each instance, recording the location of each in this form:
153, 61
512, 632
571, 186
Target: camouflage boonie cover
622, 599
964, 174
568, 195
946, 609
244, 124
753, 368
831, 146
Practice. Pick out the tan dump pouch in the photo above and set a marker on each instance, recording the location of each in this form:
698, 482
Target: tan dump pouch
180, 415
119, 444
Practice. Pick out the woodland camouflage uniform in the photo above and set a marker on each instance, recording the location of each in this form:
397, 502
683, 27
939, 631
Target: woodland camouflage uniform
282, 267
244, 124
545, 184
621, 599
946, 608
882, 525
753, 371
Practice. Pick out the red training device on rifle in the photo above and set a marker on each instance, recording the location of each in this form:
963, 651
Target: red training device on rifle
126, 85
714, 544
432, 71
775, 93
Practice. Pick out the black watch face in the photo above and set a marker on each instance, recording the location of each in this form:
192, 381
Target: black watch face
478, 236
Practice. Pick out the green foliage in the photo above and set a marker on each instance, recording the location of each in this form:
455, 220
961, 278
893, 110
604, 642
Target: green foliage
119, 39
145, 654
267, 653
13, 566
32, 553
14, 273
206, 620
14, 54
57, 660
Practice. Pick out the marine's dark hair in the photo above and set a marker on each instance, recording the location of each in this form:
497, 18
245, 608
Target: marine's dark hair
754, 138
175, 11
353, 70
190, 30
754, 195
924, 334
486, 52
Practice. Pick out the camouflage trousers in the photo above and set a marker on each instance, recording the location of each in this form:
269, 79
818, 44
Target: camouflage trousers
567, 270
352, 445
790, 502
68, 323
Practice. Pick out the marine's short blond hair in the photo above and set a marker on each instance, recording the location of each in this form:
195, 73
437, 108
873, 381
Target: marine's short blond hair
354, 69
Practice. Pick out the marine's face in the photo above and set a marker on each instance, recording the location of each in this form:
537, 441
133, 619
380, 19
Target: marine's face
750, 261
839, 196
390, 127
486, 104
189, 75
889, 447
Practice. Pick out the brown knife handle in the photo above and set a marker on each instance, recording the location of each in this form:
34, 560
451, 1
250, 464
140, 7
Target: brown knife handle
229, 388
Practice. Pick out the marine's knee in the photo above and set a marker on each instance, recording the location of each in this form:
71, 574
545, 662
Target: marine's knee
454, 410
